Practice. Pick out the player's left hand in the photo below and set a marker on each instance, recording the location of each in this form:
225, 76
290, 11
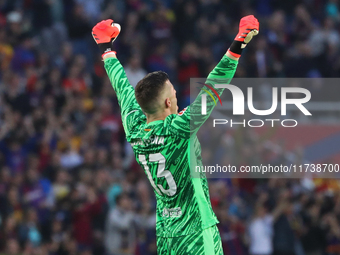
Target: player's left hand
104, 34
248, 28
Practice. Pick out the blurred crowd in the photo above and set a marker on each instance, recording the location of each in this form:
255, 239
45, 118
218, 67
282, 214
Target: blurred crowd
270, 216
69, 183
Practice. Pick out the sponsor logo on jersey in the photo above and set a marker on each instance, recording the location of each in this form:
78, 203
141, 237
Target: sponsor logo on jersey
172, 212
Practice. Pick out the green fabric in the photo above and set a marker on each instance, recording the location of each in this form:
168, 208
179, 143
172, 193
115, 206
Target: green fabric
165, 148
207, 242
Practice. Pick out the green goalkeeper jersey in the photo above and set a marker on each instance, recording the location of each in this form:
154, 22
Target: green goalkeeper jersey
166, 149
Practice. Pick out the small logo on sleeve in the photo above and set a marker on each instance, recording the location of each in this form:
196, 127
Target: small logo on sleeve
209, 93
182, 112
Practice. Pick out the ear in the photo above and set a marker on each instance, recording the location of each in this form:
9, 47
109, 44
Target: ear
167, 103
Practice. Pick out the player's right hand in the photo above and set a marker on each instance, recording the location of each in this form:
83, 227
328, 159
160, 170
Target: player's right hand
104, 34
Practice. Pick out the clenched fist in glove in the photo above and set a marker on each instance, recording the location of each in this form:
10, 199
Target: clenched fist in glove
249, 27
104, 33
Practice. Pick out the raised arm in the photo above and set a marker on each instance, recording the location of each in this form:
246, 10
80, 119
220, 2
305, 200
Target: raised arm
190, 119
104, 33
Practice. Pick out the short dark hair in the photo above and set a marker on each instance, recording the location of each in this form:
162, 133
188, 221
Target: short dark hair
149, 88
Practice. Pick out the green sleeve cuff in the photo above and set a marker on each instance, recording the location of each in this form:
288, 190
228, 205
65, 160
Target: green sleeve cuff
227, 59
110, 59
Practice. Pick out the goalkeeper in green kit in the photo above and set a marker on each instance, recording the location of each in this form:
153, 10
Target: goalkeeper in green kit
162, 138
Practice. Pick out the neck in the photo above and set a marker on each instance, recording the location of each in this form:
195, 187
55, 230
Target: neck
156, 116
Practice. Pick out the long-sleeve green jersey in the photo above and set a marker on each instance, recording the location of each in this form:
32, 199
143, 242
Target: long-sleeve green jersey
166, 149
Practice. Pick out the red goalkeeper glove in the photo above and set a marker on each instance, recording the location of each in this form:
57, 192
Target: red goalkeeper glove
104, 33
249, 27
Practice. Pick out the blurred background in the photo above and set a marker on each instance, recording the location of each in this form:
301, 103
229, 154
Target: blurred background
69, 183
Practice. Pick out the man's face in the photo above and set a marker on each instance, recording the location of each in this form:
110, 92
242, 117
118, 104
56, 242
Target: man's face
172, 97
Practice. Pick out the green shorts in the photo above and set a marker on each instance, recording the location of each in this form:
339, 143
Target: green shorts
207, 242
